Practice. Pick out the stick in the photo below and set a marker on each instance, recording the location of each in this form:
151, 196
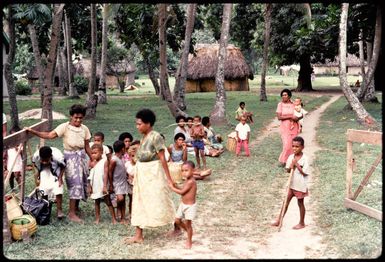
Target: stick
284, 204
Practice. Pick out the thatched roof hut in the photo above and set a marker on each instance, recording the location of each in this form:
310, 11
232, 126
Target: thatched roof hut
203, 66
332, 67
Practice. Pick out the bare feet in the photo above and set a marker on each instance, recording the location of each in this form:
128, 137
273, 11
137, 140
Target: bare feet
274, 223
174, 233
75, 218
124, 221
97, 222
132, 240
299, 226
60, 215
188, 244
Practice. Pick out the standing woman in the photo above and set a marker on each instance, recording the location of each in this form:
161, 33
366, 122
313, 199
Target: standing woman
76, 138
285, 113
152, 205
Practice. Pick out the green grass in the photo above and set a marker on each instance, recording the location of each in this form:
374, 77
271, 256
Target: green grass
349, 233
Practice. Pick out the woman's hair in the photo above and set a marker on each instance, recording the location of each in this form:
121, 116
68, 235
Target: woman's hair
178, 118
286, 91
118, 146
205, 120
125, 135
178, 135
78, 109
147, 116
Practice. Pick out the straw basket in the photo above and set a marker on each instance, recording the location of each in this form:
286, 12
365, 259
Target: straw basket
13, 207
231, 142
24, 222
175, 171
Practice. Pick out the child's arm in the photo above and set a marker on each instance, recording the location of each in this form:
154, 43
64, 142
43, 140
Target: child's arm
105, 177
184, 148
186, 187
248, 136
111, 169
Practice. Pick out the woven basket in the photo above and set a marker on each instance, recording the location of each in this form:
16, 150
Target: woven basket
13, 207
28, 222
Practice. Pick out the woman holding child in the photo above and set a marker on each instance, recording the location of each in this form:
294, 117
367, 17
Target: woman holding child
152, 205
289, 126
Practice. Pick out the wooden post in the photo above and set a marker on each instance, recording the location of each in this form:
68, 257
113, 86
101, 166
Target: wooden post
349, 168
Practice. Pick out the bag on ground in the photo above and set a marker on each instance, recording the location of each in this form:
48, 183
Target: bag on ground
38, 207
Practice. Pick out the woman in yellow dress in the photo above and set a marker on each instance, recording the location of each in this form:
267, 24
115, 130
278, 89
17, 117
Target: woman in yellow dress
152, 205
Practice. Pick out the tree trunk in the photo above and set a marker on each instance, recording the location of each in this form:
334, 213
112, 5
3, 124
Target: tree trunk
8, 70
55, 33
64, 59
102, 94
62, 90
164, 86
363, 116
37, 56
73, 93
181, 76
218, 114
151, 74
265, 62
367, 90
90, 103
304, 74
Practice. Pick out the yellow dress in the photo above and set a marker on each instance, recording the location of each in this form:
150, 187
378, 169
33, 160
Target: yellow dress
152, 205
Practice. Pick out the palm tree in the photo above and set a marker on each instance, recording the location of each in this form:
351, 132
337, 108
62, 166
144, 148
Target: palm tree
163, 75
72, 92
102, 97
51, 61
8, 69
31, 15
266, 41
181, 75
363, 116
218, 114
92, 99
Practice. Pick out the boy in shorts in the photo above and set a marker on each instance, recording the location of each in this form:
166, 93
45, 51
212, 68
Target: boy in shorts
197, 133
187, 208
50, 165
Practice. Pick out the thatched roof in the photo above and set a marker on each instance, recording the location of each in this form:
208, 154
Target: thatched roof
351, 60
204, 64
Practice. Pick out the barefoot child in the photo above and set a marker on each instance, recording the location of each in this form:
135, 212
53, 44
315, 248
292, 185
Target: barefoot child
298, 186
98, 182
15, 162
243, 135
99, 139
187, 208
197, 134
119, 179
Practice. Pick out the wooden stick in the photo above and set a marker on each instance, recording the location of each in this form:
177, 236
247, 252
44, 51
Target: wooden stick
284, 204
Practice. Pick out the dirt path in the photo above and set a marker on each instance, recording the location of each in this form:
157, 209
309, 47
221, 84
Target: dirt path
286, 244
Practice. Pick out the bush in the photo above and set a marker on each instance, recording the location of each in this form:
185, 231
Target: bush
81, 84
23, 88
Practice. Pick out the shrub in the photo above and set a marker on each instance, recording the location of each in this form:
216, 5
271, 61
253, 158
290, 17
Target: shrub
81, 84
23, 88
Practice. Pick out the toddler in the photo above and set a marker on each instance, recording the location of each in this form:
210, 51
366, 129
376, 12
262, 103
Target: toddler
298, 112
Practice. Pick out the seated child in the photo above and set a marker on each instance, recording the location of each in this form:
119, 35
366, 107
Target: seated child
241, 111
99, 182
188, 207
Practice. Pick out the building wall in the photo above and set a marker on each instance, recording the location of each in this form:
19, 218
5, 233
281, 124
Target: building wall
208, 85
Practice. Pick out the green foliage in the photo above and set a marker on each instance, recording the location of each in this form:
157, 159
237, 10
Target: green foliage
23, 88
81, 84
24, 60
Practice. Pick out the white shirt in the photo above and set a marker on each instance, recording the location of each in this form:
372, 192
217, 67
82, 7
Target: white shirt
242, 130
299, 181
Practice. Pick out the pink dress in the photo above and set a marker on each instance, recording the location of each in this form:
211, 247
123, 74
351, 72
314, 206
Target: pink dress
287, 134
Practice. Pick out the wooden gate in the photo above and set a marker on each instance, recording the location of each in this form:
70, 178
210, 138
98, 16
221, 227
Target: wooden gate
368, 137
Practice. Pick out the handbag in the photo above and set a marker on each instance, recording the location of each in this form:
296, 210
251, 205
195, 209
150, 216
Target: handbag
38, 207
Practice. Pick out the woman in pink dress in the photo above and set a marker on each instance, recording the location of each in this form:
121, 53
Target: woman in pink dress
285, 113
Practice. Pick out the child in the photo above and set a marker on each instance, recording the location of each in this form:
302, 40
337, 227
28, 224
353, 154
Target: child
130, 169
298, 112
99, 139
298, 186
187, 208
243, 135
197, 133
126, 138
50, 165
241, 111
119, 179
15, 162
99, 181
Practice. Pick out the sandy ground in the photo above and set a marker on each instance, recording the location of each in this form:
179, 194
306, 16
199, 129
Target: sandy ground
286, 244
